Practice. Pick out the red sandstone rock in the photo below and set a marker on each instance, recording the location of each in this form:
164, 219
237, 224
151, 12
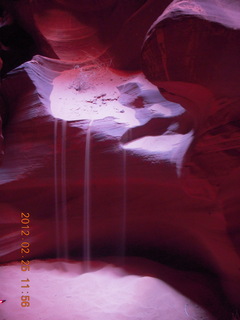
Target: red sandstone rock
191, 55
186, 217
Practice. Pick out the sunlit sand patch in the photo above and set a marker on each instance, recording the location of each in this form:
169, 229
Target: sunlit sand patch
93, 92
90, 92
59, 290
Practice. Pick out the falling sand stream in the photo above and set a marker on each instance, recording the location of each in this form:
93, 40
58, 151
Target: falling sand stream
60, 185
66, 289
87, 202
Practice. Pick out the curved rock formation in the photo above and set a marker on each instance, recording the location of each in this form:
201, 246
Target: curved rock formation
191, 54
150, 162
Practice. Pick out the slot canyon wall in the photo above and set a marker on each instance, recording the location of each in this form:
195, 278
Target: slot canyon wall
137, 100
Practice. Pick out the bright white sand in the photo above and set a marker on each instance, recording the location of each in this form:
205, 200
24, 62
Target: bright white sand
93, 93
60, 291
90, 92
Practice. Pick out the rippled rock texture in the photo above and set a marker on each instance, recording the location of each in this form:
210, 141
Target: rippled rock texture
138, 127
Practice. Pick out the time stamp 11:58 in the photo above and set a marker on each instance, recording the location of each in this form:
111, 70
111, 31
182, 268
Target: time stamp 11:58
25, 263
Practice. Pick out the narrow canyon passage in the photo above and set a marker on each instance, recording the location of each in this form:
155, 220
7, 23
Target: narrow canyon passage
119, 161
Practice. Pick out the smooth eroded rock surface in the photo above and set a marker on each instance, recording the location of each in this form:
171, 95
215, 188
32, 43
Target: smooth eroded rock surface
107, 162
